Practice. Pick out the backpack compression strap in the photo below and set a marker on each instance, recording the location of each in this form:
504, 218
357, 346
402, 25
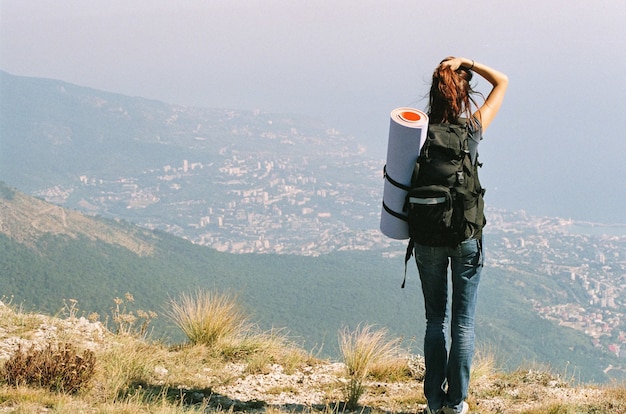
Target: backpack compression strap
394, 213
395, 184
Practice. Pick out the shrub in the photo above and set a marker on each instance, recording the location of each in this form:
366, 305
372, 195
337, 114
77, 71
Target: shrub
58, 368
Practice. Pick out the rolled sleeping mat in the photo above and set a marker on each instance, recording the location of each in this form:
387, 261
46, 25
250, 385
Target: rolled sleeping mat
407, 133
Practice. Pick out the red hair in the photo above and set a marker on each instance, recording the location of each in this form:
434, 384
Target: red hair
450, 95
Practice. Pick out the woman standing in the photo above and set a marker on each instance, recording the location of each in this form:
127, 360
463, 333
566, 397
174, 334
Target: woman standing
448, 371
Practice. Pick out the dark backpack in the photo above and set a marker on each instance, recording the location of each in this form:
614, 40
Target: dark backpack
444, 204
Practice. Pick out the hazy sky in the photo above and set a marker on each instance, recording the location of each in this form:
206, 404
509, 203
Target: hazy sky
556, 148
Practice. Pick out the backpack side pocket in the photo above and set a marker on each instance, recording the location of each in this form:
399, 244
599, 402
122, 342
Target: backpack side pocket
429, 213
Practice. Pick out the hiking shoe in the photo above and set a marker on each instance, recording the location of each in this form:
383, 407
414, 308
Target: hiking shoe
450, 410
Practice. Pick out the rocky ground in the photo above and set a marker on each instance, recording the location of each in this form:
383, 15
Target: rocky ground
318, 386
304, 390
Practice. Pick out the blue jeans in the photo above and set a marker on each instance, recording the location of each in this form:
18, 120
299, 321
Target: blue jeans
443, 367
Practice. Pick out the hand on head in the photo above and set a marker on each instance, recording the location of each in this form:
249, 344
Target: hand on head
451, 62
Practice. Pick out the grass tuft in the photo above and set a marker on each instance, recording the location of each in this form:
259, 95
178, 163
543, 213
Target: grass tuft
208, 317
364, 350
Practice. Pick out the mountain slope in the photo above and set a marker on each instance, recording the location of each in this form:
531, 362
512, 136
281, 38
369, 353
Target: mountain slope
315, 296
49, 126
27, 219
52, 132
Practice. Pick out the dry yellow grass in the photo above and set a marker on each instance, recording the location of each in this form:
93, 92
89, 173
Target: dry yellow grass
208, 317
365, 352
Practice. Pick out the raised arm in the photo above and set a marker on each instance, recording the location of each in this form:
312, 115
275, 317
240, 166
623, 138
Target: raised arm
489, 109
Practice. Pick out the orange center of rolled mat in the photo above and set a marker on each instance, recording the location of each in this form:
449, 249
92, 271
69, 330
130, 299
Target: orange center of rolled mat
410, 116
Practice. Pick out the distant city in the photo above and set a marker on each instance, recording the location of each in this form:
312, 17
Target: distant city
587, 260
